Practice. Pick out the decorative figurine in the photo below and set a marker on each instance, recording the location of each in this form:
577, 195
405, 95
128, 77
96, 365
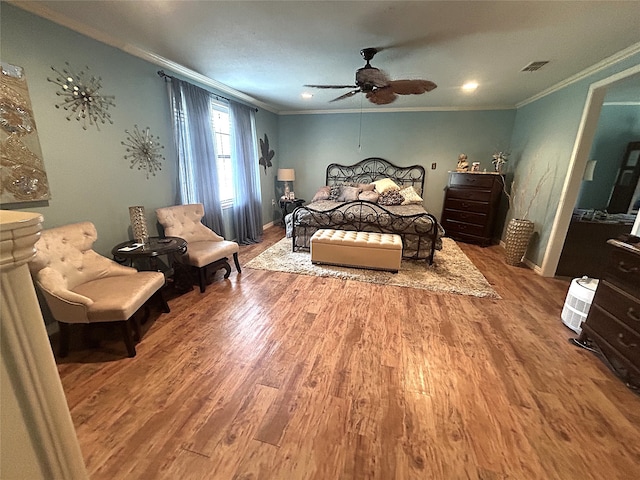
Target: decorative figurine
463, 165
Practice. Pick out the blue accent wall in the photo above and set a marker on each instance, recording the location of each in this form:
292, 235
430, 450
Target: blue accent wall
311, 142
544, 136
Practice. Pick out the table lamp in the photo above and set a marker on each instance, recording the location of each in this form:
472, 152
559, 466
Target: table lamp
286, 175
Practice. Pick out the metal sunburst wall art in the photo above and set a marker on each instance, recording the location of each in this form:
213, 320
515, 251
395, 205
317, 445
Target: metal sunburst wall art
81, 97
143, 150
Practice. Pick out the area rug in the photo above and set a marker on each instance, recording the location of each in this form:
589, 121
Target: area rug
451, 272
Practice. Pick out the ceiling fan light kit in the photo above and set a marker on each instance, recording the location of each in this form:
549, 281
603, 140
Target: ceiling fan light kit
377, 86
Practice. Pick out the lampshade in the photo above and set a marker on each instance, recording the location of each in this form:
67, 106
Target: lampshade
588, 172
286, 174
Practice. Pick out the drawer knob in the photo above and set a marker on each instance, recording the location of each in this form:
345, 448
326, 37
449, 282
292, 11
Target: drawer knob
626, 345
633, 315
623, 268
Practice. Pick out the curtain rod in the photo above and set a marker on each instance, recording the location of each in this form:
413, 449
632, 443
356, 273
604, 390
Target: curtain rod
165, 76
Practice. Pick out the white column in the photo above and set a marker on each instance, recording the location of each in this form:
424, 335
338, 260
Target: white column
37, 435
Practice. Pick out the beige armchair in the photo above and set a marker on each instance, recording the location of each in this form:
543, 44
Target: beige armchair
81, 286
205, 248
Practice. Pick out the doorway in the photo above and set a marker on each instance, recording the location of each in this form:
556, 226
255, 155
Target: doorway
578, 162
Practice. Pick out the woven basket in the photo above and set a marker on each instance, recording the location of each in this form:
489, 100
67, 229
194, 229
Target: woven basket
517, 240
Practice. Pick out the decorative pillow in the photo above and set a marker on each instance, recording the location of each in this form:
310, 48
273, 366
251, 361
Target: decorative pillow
369, 196
390, 197
364, 187
348, 194
322, 194
411, 196
384, 185
334, 193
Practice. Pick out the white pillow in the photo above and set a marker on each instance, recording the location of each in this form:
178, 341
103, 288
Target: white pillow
410, 196
385, 185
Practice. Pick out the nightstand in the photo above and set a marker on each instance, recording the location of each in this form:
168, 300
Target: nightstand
289, 206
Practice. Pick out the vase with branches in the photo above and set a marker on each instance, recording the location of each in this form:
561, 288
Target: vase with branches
520, 228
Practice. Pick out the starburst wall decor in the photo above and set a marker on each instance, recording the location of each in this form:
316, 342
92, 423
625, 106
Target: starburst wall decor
143, 150
81, 97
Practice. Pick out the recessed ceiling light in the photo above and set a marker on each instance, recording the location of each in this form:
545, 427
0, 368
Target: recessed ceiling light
306, 95
470, 86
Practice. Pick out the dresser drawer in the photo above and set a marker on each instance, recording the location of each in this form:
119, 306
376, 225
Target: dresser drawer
465, 216
477, 180
469, 194
619, 304
624, 340
451, 227
467, 205
624, 270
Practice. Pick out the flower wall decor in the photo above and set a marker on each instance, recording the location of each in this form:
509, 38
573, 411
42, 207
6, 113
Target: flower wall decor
81, 97
22, 173
143, 150
267, 155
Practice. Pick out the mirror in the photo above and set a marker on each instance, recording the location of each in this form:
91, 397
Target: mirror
625, 197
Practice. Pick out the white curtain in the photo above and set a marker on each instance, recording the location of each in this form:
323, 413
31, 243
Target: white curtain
247, 202
194, 138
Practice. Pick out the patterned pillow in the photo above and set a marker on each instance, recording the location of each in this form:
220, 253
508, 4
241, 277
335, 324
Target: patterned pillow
384, 185
334, 193
369, 196
348, 194
364, 187
391, 197
322, 194
411, 196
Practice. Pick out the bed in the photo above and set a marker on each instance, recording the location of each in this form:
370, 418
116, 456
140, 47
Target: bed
420, 231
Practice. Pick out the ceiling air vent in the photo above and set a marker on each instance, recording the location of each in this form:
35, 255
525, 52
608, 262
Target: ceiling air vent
533, 66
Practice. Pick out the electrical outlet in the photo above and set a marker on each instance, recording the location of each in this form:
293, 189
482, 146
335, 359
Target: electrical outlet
273, 202
433, 166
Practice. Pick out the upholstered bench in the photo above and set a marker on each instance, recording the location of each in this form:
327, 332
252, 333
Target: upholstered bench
378, 251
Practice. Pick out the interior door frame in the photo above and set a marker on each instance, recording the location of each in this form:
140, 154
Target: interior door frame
577, 165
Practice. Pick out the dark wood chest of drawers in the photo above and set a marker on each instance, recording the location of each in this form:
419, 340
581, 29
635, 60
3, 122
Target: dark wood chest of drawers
613, 323
471, 203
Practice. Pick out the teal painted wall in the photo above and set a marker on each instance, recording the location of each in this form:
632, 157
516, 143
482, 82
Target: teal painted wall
88, 175
544, 135
311, 142
617, 126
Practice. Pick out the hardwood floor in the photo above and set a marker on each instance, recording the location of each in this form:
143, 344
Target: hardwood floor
281, 376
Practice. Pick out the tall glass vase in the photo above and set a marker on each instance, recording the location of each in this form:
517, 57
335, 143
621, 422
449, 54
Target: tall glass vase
516, 241
138, 224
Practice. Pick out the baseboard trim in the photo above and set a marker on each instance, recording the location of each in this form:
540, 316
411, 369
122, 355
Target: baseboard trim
527, 263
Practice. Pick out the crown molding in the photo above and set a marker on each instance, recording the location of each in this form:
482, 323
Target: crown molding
607, 62
44, 12
397, 110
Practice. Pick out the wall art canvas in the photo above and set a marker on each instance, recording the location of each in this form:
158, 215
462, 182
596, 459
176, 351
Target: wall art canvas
22, 173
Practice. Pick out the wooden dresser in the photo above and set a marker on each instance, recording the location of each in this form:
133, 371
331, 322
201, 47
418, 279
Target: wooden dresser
613, 323
471, 203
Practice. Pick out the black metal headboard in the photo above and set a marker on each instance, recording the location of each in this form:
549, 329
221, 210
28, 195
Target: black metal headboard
372, 169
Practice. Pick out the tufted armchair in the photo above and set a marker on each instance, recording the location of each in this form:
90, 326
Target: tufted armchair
81, 286
205, 248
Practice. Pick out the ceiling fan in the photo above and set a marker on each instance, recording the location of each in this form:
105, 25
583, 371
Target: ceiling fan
377, 87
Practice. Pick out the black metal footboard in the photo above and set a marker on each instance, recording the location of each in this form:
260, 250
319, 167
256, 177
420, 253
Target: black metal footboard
419, 232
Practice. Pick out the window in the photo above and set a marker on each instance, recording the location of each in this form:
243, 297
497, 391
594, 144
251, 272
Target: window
222, 137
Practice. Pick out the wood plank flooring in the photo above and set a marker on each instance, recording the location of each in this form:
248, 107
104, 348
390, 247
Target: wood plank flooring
280, 376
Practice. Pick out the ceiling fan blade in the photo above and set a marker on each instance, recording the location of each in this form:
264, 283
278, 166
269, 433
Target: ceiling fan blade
382, 96
411, 87
346, 95
331, 86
